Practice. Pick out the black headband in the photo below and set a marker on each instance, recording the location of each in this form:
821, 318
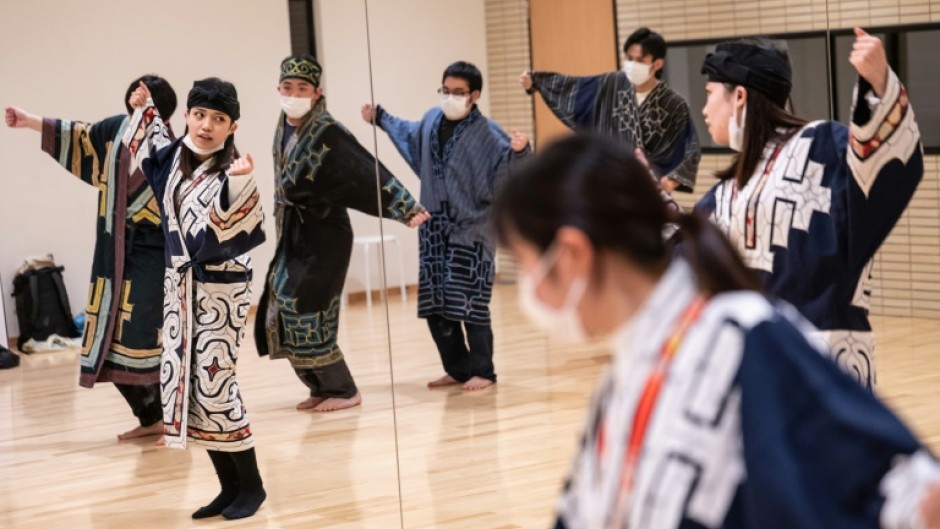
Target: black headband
753, 67
215, 94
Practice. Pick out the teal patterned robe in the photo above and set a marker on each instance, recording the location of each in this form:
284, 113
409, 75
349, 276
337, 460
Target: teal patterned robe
320, 172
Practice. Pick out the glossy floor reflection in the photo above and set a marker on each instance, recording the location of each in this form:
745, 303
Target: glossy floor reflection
494, 459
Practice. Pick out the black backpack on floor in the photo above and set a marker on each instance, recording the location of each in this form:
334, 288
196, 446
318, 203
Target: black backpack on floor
42, 304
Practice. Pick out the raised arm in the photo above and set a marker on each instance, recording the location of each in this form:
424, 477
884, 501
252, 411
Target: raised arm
355, 183
405, 135
79, 147
570, 98
147, 133
885, 153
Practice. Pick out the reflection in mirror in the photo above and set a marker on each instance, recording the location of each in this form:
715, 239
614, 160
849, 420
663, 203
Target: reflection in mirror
330, 325
501, 455
487, 457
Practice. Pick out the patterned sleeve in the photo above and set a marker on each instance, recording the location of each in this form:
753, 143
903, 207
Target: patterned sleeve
708, 203
820, 450
354, 185
687, 153
146, 134
571, 99
508, 158
405, 135
885, 157
235, 220
80, 147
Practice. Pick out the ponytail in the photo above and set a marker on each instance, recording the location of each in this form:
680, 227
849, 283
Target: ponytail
716, 263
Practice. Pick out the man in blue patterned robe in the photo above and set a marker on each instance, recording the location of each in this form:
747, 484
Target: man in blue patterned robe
460, 156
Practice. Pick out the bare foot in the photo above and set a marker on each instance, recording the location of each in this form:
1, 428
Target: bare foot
142, 431
334, 404
161, 442
477, 383
312, 402
442, 382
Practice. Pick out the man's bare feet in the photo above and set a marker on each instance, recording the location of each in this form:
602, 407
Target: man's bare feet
442, 382
312, 402
334, 404
477, 383
161, 442
142, 431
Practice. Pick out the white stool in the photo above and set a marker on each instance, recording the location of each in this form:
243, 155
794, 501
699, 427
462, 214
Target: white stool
367, 242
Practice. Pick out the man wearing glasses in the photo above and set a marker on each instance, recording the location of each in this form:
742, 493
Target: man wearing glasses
460, 156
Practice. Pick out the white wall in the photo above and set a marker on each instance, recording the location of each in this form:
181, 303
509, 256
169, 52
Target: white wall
412, 42
75, 59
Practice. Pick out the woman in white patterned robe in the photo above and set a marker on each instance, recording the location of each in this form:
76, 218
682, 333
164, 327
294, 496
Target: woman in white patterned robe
211, 218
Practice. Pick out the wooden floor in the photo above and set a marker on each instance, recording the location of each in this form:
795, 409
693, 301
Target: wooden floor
488, 460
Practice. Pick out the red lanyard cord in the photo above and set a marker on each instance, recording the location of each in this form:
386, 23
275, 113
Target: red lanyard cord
646, 405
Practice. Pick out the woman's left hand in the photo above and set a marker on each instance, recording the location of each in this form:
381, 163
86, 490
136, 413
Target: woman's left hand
242, 166
868, 57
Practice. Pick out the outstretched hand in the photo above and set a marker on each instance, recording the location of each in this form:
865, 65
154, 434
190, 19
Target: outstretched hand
519, 141
868, 57
419, 219
16, 117
242, 166
525, 79
368, 113
140, 96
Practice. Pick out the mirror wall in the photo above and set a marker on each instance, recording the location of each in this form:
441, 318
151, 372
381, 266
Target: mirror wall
498, 458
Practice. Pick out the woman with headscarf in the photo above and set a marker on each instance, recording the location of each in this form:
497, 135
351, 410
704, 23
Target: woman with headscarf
211, 213
807, 205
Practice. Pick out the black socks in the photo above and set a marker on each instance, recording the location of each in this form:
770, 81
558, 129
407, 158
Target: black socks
242, 492
251, 493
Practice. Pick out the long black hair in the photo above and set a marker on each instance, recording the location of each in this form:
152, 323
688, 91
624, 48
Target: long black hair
766, 123
597, 186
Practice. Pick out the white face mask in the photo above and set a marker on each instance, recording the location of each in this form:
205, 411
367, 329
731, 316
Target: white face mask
455, 107
296, 107
564, 323
188, 141
735, 131
637, 72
